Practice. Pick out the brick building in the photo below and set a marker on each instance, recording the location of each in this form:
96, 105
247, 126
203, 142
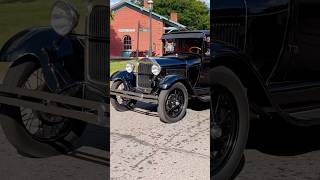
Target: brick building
130, 29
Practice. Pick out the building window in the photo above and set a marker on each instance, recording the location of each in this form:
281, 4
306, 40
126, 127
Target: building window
127, 45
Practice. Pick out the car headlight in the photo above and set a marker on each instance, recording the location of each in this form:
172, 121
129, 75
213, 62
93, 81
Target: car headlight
64, 17
155, 69
129, 67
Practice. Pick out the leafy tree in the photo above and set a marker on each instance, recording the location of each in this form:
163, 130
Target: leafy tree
192, 13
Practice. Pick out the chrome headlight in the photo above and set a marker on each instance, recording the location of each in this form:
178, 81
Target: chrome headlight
155, 69
129, 67
64, 17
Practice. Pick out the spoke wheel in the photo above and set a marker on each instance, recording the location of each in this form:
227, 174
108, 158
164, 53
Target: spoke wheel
34, 133
173, 103
224, 126
121, 103
229, 123
42, 126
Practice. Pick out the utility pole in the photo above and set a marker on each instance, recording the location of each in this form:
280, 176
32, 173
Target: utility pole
150, 2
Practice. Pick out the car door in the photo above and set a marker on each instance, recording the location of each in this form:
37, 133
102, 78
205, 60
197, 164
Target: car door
305, 43
296, 84
203, 81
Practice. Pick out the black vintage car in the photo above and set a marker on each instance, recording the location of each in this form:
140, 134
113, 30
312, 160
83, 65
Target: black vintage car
56, 81
168, 81
264, 63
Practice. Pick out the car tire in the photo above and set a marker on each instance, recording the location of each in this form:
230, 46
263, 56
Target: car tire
16, 131
121, 107
166, 103
229, 107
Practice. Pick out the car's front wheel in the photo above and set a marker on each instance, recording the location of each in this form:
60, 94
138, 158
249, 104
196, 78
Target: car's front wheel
173, 103
120, 103
35, 133
229, 123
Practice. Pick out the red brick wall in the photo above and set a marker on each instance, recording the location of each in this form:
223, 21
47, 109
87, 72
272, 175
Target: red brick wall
127, 18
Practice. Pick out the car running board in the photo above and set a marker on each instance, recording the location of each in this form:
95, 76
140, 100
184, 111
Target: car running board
308, 115
85, 110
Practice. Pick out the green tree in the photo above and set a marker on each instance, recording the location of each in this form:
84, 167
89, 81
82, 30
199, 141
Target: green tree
192, 13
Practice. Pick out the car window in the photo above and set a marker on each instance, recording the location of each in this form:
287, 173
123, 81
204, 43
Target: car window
172, 46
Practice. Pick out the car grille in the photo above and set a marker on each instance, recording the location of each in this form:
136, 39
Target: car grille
98, 46
145, 75
228, 33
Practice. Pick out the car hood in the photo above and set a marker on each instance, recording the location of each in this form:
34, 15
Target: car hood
169, 61
172, 61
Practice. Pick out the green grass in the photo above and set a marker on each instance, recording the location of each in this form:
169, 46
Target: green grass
116, 65
17, 16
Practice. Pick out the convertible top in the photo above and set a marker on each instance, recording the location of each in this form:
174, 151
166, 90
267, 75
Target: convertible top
186, 35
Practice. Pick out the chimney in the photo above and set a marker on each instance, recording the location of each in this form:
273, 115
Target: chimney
145, 4
174, 16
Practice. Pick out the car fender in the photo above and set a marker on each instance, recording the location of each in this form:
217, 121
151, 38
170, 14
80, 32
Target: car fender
168, 81
236, 61
51, 50
129, 79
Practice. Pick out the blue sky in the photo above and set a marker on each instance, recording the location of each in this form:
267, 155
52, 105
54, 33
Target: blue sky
115, 1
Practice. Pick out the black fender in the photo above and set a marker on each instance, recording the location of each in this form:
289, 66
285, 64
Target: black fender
168, 81
129, 79
62, 58
239, 63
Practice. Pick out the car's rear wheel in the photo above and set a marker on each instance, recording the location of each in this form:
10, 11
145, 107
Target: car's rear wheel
119, 103
173, 103
229, 123
34, 133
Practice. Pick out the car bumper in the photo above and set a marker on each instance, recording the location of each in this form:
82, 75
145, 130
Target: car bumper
136, 96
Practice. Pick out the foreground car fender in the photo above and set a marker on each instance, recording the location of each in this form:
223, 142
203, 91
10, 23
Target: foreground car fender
125, 77
170, 80
44, 45
223, 55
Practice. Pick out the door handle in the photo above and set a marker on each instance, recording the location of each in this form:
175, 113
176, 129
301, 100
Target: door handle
294, 48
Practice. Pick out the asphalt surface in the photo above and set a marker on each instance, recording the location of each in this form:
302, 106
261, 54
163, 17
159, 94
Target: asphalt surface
90, 162
278, 151
144, 148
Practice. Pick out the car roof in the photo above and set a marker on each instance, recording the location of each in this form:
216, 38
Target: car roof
186, 34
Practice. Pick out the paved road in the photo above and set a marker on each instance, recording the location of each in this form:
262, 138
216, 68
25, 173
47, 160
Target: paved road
142, 147
88, 163
278, 151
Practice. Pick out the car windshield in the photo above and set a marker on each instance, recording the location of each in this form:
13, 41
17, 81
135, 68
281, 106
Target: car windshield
175, 46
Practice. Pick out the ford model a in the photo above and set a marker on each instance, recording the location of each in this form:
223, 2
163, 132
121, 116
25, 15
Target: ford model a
265, 61
57, 81
168, 81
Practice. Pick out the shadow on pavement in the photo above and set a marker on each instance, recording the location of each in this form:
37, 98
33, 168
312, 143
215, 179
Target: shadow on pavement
276, 137
98, 138
151, 109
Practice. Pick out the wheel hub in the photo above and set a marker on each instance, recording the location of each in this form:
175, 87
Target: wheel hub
216, 132
223, 126
174, 104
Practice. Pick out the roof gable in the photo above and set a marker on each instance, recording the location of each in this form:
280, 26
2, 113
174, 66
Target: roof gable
134, 6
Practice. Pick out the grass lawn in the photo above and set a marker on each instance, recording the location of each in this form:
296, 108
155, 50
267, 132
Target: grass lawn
116, 65
17, 16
